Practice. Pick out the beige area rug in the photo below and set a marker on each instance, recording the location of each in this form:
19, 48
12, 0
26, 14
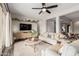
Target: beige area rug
21, 49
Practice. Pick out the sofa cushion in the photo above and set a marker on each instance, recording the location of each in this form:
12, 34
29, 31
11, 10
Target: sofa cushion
49, 52
57, 36
68, 50
45, 34
56, 47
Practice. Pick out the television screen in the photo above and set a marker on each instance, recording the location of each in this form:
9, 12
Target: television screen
25, 26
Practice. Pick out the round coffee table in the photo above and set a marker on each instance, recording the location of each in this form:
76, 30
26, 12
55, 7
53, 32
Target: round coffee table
32, 44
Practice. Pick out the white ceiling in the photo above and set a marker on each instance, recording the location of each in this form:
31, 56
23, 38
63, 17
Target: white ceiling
25, 9
73, 16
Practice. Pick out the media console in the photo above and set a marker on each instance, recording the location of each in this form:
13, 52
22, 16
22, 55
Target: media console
24, 35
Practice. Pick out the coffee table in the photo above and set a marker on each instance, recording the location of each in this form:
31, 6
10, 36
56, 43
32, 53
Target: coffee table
32, 44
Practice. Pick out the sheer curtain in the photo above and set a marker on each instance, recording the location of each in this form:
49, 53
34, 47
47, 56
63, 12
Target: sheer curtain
7, 30
9, 39
1, 29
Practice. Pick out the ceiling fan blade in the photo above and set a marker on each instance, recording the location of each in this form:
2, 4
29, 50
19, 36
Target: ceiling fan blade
54, 6
36, 8
48, 11
43, 4
40, 12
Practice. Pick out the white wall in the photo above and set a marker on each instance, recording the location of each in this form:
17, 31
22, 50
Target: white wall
42, 25
76, 26
16, 27
50, 23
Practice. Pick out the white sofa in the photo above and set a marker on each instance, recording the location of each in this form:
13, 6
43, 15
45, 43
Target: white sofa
48, 40
44, 37
51, 38
66, 50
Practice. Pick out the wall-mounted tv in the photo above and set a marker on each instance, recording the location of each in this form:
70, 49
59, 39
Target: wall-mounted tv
25, 26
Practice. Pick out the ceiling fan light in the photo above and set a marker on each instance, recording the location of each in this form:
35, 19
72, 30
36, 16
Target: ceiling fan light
44, 10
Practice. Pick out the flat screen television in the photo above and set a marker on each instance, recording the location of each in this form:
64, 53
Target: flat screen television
25, 26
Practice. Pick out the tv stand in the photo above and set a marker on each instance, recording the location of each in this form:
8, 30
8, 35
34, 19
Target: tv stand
22, 35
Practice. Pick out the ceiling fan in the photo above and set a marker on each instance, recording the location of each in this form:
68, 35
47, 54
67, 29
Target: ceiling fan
45, 9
